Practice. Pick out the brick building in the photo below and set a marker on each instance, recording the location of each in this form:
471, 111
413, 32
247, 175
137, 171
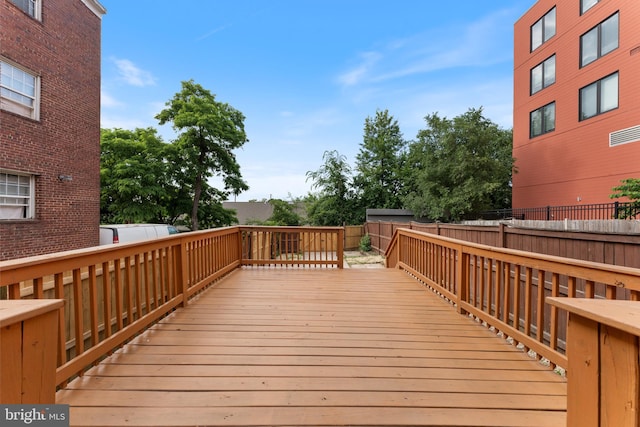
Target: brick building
49, 125
576, 101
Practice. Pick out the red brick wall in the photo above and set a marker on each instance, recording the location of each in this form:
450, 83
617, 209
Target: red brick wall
575, 161
64, 49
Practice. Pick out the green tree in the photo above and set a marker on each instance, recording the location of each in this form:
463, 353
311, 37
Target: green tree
630, 189
133, 176
208, 132
379, 178
283, 213
459, 167
333, 204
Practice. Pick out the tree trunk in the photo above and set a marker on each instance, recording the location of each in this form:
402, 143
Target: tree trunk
196, 202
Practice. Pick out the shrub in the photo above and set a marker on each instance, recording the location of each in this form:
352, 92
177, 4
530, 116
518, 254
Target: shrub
365, 243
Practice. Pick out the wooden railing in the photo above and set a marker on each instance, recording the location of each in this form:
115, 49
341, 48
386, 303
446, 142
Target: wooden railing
112, 293
293, 246
507, 289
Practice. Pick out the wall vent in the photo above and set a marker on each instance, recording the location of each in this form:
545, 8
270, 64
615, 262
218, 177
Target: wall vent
624, 136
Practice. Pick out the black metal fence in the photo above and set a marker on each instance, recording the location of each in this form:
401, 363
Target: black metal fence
615, 210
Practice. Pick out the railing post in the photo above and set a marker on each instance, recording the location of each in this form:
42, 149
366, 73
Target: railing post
603, 374
341, 235
28, 350
462, 275
182, 272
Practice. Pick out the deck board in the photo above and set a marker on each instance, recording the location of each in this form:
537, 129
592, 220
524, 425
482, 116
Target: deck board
294, 347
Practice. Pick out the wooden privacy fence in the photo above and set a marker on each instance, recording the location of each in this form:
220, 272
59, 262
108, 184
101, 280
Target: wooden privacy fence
352, 236
507, 289
112, 293
608, 248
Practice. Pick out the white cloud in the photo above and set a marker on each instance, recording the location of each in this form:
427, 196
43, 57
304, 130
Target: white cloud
453, 99
108, 101
132, 74
354, 76
480, 43
212, 32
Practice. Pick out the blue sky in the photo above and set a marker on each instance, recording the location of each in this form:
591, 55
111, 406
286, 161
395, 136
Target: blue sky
307, 73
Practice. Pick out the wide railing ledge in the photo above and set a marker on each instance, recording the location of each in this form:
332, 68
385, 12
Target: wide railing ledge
603, 375
28, 342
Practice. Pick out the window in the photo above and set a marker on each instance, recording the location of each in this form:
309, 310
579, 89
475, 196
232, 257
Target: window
599, 41
16, 195
30, 7
543, 75
586, 5
599, 97
543, 29
19, 90
543, 120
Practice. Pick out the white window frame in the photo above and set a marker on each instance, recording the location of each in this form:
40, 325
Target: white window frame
542, 111
597, 33
600, 96
14, 203
8, 93
548, 74
541, 27
33, 8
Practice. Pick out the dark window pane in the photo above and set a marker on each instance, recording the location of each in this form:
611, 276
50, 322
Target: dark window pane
550, 117
536, 79
609, 93
609, 35
550, 24
589, 47
589, 101
550, 71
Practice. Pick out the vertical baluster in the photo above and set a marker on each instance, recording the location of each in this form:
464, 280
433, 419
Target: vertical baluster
490, 285
14, 291
540, 307
107, 298
154, 278
117, 276
527, 302
610, 291
162, 284
516, 297
553, 325
506, 310
38, 288
499, 290
93, 305
58, 284
483, 274
147, 279
77, 311
571, 286
589, 289
128, 289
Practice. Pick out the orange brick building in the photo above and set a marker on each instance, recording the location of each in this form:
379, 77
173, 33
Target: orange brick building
49, 125
576, 101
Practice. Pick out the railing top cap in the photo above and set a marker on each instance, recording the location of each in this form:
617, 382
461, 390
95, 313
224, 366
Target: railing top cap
15, 311
621, 314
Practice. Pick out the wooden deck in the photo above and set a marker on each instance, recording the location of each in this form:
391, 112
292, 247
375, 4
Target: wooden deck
320, 347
